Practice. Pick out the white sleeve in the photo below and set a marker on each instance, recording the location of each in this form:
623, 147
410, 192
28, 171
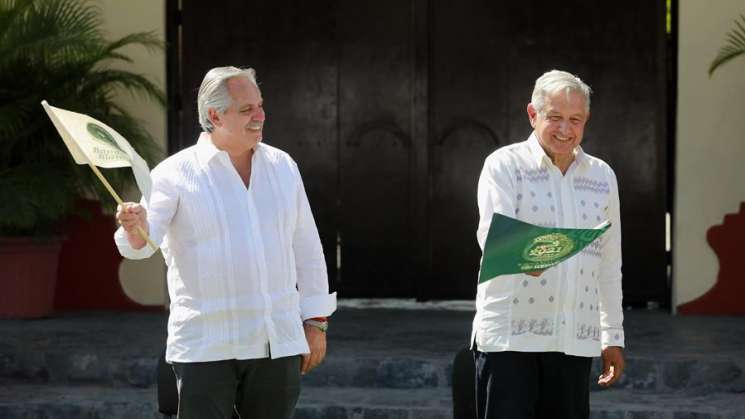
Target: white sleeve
496, 193
160, 210
611, 293
312, 278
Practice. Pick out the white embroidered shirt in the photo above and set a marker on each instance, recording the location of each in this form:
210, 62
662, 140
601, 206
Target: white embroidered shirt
574, 307
245, 265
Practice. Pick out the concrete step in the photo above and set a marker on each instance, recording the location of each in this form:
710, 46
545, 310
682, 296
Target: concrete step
663, 374
670, 373
381, 363
87, 365
690, 404
366, 403
74, 402
78, 366
371, 348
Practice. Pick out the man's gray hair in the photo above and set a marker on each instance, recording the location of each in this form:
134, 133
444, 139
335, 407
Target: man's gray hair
213, 93
555, 81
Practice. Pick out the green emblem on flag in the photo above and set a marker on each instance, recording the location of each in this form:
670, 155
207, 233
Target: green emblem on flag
101, 134
105, 147
548, 247
513, 246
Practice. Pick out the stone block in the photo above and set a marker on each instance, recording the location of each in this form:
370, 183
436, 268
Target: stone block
694, 415
604, 414
430, 414
136, 372
406, 373
646, 414
639, 374
715, 375
84, 368
385, 413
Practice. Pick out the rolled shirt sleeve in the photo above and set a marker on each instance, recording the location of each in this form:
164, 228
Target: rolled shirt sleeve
310, 264
611, 294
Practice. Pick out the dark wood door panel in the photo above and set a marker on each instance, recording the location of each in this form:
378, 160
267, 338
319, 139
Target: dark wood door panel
375, 150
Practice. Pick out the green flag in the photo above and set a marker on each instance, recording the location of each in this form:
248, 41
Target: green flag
513, 246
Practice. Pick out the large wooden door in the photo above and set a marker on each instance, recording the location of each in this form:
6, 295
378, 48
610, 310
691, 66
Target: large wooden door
390, 108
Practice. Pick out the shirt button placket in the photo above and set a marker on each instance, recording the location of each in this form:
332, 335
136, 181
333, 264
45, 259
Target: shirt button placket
569, 219
261, 262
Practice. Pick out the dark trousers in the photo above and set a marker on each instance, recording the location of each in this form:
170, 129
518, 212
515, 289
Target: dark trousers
532, 385
255, 388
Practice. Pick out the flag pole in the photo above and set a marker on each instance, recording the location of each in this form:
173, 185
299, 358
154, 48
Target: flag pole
119, 201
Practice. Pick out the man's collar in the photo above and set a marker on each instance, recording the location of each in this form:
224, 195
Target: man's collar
579, 156
206, 149
539, 154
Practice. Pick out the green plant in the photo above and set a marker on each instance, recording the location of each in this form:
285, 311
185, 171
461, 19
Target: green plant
734, 46
56, 50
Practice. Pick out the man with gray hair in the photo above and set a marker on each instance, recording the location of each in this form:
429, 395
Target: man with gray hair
246, 273
534, 335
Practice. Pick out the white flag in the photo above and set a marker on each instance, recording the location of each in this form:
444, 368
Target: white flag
92, 141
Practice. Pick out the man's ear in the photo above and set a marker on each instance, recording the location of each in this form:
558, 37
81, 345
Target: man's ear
532, 113
214, 117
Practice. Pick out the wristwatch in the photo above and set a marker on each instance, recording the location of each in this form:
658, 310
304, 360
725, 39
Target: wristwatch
322, 326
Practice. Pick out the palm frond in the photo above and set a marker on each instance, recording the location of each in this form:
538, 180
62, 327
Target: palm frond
47, 28
9, 12
13, 118
55, 50
135, 84
148, 40
734, 47
27, 194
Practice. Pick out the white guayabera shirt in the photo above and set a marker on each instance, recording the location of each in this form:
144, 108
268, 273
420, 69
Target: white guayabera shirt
574, 307
245, 266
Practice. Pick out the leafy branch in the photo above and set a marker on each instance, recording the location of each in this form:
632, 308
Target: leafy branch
733, 48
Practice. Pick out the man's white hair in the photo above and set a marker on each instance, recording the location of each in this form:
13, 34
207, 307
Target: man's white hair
213, 93
555, 81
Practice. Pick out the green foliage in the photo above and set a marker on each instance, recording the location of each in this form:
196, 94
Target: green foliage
733, 48
668, 17
56, 50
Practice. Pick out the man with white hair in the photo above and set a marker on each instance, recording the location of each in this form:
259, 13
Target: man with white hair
534, 335
246, 272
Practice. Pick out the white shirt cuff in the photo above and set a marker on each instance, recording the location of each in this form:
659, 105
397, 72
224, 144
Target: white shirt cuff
120, 238
612, 337
318, 306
